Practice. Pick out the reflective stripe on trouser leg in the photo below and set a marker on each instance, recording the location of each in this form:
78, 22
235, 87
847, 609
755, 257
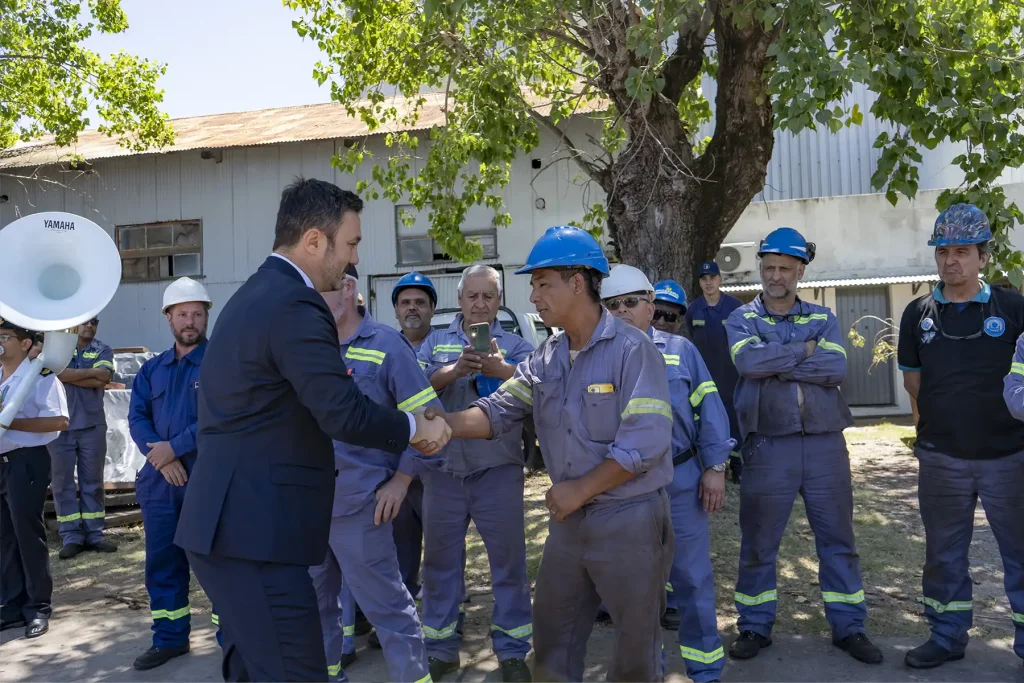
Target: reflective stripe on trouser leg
215, 620
369, 567
828, 499
947, 496
496, 507
693, 579
772, 475
63, 458
167, 568
445, 522
92, 456
327, 584
348, 618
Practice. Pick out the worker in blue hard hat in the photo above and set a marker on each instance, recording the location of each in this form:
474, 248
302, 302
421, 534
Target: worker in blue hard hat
669, 307
956, 351
599, 395
705, 322
414, 299
791, 362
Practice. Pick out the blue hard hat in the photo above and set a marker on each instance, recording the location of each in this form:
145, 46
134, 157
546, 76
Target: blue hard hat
789, 242
960, 224
566, 247
709, 268
414, 280
670, 292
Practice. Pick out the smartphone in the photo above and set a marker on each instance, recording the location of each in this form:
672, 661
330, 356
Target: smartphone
480, 337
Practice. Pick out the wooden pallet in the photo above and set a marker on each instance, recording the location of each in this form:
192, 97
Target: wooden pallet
119, 499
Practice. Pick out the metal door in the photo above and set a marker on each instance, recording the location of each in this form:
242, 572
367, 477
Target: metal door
864, 385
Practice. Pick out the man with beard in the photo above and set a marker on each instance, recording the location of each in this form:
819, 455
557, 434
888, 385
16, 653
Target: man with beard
83, 447
275, 393
162, 419
414, 299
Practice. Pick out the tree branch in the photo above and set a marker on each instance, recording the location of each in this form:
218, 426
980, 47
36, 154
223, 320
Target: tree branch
685, 63
572, 42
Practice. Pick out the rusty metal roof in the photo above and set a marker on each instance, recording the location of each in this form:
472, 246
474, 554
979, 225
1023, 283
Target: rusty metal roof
243, 129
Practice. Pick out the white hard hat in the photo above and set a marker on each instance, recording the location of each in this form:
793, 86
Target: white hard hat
625, 280
183, 290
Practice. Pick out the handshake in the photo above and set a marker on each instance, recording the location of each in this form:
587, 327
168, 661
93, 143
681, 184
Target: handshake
432, 431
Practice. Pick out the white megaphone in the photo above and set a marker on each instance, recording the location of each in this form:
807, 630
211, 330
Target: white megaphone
59, 270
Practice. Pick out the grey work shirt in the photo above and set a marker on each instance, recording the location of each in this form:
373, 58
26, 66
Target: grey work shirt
86, 405
463, 457
612, 402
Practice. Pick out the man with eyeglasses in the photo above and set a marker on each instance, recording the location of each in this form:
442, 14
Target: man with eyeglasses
791, 361
705, 320
956, 345
83, 446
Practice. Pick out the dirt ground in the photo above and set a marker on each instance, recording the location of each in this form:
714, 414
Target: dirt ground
102, 614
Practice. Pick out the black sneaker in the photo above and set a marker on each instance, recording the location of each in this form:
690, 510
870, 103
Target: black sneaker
439, 667
930, 655
515, 670
102, 546
860, 648
70, 550
748, 645
158, 656
670, 619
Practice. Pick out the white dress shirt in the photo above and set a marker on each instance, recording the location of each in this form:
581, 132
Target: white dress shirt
309, 283
46, 399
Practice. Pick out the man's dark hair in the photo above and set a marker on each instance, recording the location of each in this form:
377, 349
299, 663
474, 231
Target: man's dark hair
312, 205
590, 276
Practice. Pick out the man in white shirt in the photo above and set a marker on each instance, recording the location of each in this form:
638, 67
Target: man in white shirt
25, 580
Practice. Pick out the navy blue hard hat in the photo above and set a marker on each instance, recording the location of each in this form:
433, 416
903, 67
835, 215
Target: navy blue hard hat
709, 268
960, 224
564, 246
414, 280
789, 242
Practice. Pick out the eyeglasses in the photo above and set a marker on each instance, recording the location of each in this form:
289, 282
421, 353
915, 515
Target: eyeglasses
966, 337
94, 322
630, 301
669, 317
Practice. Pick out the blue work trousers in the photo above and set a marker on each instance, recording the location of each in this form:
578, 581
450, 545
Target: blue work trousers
363, 555
408, 531
775, 470
493, 499
692, 579
948, 491
80, 511
167, 568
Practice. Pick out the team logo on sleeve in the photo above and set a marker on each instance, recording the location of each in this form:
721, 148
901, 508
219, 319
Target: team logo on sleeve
927, 324
994, 327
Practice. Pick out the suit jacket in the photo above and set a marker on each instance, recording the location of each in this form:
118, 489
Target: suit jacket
273, 393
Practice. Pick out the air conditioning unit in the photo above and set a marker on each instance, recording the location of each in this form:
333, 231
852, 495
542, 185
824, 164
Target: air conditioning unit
737, 258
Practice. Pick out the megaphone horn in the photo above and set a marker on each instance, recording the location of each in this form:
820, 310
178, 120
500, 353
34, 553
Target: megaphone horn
59, 271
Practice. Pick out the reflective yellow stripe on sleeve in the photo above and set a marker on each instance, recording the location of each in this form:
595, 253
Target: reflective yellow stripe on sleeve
523, 392
103, 364
369, 355
419, 400
831, 346
671, 359
740, 344
702, 390
1017, 368
647, 406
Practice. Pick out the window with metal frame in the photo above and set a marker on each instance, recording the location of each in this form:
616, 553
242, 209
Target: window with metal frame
417, 248
160, 251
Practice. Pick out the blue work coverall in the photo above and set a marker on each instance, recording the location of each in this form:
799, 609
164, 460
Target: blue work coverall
612, 402
480, 481
164, 408
792, 416
700, 439
707, 331
362, 561
83, 446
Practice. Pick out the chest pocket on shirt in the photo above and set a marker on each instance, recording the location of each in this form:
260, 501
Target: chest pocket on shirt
159, 393
601, 416
547, 403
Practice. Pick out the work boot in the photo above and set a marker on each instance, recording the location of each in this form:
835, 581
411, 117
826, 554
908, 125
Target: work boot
158, 656
930, 655
748, 644
515, 670
860, 648
439, 667
347, 659
70, 550
102, 546
670, 619
37, 627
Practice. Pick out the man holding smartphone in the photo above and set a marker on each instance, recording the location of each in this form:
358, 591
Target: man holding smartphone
477, 480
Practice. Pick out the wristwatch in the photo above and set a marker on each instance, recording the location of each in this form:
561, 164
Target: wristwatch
718, 468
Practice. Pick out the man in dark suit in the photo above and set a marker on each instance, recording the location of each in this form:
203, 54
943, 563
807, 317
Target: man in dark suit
274, 392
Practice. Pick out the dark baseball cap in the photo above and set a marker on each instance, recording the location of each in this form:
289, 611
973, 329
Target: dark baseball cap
709, 268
